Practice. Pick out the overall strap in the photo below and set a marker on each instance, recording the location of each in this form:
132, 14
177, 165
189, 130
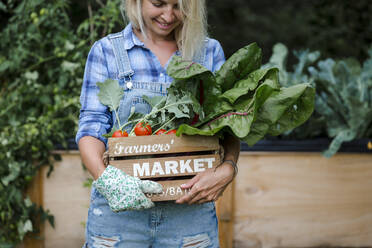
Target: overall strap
121, 55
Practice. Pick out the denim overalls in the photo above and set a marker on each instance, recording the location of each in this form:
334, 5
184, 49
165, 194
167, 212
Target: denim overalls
167, 225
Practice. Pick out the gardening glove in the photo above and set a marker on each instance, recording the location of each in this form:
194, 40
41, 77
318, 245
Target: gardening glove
124, 192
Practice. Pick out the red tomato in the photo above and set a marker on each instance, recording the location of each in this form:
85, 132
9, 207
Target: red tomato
142, 129
119, 133
173, 131
161, 131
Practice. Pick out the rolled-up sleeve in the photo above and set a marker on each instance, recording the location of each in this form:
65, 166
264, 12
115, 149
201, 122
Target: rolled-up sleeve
95, 119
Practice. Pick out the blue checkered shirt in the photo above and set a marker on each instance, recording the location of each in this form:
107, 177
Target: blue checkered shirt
95, 119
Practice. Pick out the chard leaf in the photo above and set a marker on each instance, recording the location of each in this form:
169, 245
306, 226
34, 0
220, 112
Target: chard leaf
238, 66
280, 101
188, 77
297, 112
314, 126
242, 87
214, 108
110, 93
268, 109
238, 121
272, 117
180, 69
190, 130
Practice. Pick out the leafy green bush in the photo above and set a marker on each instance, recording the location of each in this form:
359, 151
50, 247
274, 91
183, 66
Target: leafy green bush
343, 104
344, 99
41, 68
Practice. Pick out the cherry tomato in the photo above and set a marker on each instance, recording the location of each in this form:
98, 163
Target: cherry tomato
142, 129
161, 131
173, 131
119, 133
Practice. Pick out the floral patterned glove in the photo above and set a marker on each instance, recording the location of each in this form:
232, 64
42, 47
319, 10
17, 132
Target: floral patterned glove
124, 192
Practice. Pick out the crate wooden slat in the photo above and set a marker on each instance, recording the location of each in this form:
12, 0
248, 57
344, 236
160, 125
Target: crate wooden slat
171, 191
139, 145
167, 157
165, 167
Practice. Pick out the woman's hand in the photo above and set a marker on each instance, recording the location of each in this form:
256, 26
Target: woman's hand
124, 192
208, 185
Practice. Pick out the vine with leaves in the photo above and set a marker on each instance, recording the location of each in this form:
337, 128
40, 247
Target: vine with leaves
41, 68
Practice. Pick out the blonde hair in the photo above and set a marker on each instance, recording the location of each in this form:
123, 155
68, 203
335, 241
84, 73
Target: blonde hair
190, 35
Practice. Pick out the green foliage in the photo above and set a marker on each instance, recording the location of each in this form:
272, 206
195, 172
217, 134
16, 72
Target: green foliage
279, 60
110, 94
41, 68
344, 99
343, 104
238, 66
178, 106
247, 101
315, 126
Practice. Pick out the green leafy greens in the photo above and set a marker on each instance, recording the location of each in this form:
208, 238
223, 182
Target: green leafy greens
240, 98
343, 102
243, 99
315, 125
166, 112
344, 98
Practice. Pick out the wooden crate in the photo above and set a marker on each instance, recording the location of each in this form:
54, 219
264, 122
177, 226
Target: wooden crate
167, 159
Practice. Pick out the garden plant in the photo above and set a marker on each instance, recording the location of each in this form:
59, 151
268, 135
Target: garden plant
41, 68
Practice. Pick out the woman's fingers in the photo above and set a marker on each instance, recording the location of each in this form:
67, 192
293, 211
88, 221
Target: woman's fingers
209, 198
190, 183
208, 185
202, 186
199, 196
188, 197
191, 193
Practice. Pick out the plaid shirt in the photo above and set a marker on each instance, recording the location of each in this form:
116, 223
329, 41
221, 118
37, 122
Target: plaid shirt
95, 119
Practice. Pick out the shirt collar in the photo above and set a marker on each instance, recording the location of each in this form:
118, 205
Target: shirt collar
131, 38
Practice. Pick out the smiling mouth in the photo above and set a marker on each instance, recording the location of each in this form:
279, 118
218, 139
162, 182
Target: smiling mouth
164, 25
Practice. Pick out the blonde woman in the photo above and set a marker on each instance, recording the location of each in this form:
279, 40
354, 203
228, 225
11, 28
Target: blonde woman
119, 214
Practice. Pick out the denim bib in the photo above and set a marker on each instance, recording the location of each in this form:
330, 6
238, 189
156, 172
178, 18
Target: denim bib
133, 90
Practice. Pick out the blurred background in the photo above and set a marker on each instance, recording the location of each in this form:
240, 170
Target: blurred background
336, 28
